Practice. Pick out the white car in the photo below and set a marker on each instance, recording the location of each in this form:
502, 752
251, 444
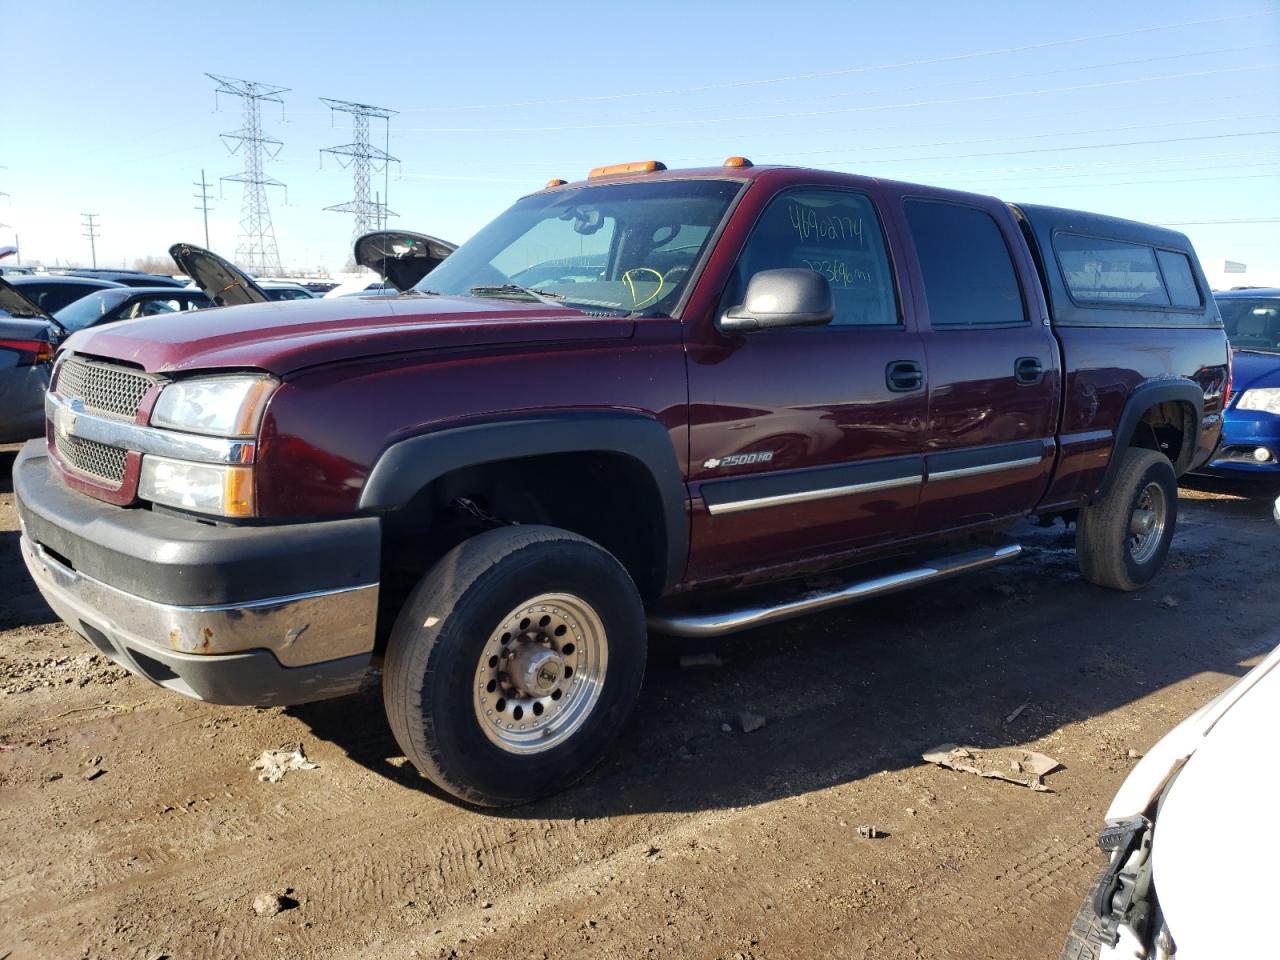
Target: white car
1194, 838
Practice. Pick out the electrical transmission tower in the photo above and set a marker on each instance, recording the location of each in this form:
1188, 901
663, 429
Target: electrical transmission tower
204, 198
91, 232
256, 249
363, 159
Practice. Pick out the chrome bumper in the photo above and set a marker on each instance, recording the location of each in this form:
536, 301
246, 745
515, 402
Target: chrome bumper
300, 630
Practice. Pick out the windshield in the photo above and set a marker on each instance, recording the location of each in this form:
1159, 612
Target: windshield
87, 311
1252, 323
615, 248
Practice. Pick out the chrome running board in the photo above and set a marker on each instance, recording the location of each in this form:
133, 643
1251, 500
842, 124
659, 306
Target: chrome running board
731, 621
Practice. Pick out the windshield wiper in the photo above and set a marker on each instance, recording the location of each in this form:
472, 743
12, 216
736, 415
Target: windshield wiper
505, 289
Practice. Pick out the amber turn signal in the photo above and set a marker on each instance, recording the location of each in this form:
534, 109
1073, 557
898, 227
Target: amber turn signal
640, 166
738, 162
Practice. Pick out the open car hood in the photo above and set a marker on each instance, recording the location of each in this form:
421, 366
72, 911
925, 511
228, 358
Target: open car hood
16, 305
225, 284
401, 257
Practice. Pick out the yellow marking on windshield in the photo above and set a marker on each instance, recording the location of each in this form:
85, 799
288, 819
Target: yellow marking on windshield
631, 285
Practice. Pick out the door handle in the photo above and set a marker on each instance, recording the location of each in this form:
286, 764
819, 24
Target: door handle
1028, 370
903, 376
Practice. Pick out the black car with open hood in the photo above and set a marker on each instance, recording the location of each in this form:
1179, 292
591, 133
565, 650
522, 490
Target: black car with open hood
401, 257
225, 284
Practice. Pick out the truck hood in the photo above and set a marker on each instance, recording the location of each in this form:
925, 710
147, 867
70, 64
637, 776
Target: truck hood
1254, 370
283, 337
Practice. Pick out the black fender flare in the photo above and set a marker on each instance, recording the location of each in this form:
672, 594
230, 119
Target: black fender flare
407, 466
1142, 399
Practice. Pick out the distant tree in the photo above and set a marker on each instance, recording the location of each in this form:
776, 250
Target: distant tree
163, 265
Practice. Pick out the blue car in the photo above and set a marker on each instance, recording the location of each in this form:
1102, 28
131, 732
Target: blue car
1251, 430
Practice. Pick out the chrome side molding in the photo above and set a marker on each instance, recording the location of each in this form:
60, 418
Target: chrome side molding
805, 496
718, 624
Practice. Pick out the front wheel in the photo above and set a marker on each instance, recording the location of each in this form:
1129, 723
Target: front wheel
1123, 538
514, 664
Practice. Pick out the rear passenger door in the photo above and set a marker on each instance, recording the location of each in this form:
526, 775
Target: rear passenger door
994, 369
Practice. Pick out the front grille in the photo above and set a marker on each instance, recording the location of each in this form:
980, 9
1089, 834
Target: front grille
91, 458
103, 387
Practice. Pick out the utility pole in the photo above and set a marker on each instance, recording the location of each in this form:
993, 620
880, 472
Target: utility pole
256, 248
91, 231
203, 197
363, 158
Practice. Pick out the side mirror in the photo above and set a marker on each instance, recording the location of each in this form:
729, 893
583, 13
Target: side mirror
789, 297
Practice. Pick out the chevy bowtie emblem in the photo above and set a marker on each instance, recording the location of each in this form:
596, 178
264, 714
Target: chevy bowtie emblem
65, 421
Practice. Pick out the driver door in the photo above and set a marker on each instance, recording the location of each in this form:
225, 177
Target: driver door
807, 442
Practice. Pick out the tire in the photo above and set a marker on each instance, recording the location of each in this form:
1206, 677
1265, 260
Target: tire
1111, 551
529, 602
1085, 940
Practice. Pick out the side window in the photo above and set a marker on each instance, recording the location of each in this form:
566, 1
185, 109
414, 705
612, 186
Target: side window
1110, 271
1179, 279
968, 274
835, 233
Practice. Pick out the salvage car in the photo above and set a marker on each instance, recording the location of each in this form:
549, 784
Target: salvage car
1251, 426
130, 278
27, 340
1158, 896
51, 292
108, 306
626, 404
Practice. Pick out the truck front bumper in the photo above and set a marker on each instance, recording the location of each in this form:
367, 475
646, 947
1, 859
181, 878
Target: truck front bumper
264, 615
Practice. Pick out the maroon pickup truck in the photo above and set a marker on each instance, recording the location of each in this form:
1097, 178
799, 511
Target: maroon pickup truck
651, 400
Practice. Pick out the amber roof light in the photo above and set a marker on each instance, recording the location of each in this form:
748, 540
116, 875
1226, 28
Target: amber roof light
639, 166
555, 183
738, 162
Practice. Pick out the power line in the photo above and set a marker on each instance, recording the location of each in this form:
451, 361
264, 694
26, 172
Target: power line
91, 232
203, 197
1037, 74
848, 70
940, 143
858, 109
256, 248
1203, 223
363, 158
1060, 149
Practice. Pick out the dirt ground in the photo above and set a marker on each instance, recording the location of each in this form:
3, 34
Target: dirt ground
131, 824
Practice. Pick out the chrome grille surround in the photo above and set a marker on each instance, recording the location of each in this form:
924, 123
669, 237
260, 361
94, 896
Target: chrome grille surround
104, 388
96, 460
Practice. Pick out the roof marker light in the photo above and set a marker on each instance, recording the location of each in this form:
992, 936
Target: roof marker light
639, 166
557, 182
738, 162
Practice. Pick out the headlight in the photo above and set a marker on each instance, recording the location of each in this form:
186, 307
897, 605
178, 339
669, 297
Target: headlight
203, 487
227, 406
1266, 399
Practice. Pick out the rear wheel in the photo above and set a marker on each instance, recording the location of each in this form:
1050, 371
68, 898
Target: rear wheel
1123, 538
515, 663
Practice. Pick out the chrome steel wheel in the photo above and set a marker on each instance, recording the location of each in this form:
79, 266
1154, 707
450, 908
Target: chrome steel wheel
1147, 522
541, 673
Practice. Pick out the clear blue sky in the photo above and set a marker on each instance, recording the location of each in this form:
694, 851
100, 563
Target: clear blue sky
108, 109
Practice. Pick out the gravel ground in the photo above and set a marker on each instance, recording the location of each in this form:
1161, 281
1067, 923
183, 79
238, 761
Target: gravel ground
133, 825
